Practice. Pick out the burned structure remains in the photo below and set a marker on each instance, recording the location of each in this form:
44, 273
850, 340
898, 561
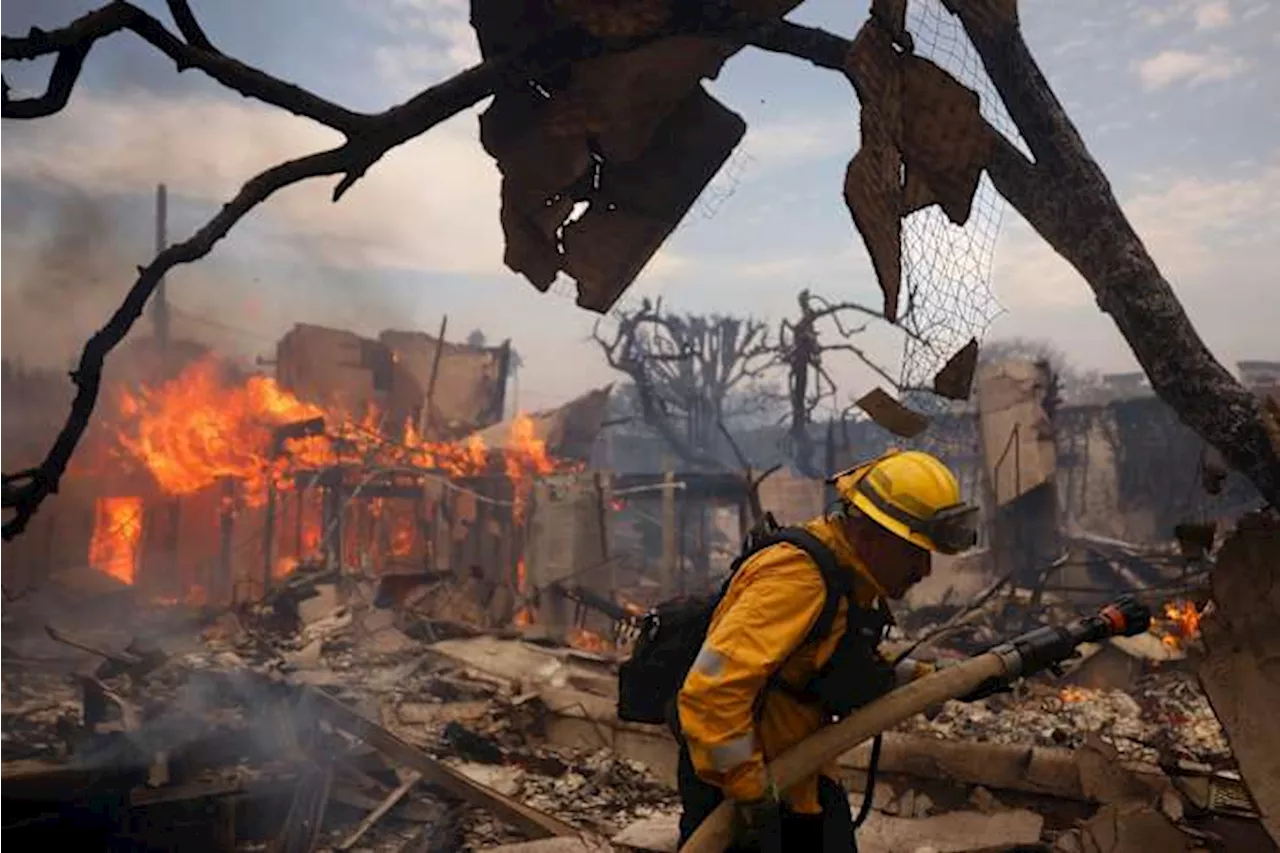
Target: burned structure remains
208, 484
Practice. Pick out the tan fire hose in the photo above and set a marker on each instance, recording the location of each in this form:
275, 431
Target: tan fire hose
808, 757
1039, 649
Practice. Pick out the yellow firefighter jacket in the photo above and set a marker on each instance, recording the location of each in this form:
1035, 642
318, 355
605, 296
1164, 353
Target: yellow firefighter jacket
772, 603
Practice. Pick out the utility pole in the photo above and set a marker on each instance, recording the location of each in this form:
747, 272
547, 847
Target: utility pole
160, 303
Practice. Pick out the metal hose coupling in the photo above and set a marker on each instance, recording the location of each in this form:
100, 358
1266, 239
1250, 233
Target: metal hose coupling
1047, 647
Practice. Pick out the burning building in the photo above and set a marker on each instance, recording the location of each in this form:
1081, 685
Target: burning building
200, 481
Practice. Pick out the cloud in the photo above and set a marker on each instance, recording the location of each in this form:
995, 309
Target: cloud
1216, 240
429, 39
1209, 16
430, 205
782, 143
1164, 13
1173, 66
1204, 15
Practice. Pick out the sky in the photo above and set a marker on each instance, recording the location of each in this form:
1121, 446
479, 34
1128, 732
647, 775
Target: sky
1171, 97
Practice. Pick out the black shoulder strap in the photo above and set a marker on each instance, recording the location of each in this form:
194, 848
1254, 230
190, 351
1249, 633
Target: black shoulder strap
839, 582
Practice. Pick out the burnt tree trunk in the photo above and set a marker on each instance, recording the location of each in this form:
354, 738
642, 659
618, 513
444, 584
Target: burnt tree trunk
1066, 198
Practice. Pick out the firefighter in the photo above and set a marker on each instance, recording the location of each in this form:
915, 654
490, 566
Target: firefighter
761, 684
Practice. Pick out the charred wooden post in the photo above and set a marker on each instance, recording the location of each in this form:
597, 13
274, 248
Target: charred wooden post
1016, 403
221, 586
299, 510
269, 537
427, 423
331, 519
670, 554
604, 494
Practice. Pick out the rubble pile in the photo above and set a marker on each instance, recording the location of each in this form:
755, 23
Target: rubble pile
1163, 717
316, 713
336, 716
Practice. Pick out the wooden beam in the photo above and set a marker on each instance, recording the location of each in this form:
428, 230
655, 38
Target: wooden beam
433, 772
670, 554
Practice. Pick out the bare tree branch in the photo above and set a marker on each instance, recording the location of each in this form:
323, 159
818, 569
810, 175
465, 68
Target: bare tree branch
188, 26
801, 348
24, 492
73, 43
1066, 197
686, 367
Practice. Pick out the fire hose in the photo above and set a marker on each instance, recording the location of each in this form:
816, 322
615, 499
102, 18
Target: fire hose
1035, 651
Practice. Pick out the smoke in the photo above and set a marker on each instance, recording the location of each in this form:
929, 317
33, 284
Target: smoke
228, 716
65, 271
78, 189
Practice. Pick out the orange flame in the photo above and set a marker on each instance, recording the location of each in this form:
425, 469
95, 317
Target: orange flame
1071, 693
198, 428
117, 530
208, 425
194, 430
588, 641
1183, 623
526, 458
523, 617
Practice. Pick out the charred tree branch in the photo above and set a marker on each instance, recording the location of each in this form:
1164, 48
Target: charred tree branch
73, 43
25, 492
686, 367
1067, 199
800, 347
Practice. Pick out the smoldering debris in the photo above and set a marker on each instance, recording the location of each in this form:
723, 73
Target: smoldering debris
351, 710
330, 718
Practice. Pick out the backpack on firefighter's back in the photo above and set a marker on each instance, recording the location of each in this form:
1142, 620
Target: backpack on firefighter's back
671, 635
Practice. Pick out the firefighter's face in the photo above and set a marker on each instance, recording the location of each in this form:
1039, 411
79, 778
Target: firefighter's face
896, 563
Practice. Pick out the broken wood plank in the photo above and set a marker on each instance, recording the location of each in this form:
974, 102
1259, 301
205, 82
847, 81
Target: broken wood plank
443, 835
356, 798
122, 658
1047, 771
301, 830
377, 814
434, 772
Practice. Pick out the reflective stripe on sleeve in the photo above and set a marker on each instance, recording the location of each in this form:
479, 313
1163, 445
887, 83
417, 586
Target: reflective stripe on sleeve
709, 662
728, 755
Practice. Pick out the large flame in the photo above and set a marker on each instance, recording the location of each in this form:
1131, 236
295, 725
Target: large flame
1182, 623
206, 426
199, 428
196, 429
117, 530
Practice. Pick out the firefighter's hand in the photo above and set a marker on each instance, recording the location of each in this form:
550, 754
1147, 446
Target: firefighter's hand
757, 824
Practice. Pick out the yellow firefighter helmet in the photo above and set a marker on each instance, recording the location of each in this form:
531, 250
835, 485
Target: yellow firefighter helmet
913, 495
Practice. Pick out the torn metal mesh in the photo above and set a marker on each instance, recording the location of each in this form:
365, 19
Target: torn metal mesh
946, 269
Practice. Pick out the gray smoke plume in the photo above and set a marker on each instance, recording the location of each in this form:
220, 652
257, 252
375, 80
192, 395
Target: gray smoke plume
65, 270
73, 239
